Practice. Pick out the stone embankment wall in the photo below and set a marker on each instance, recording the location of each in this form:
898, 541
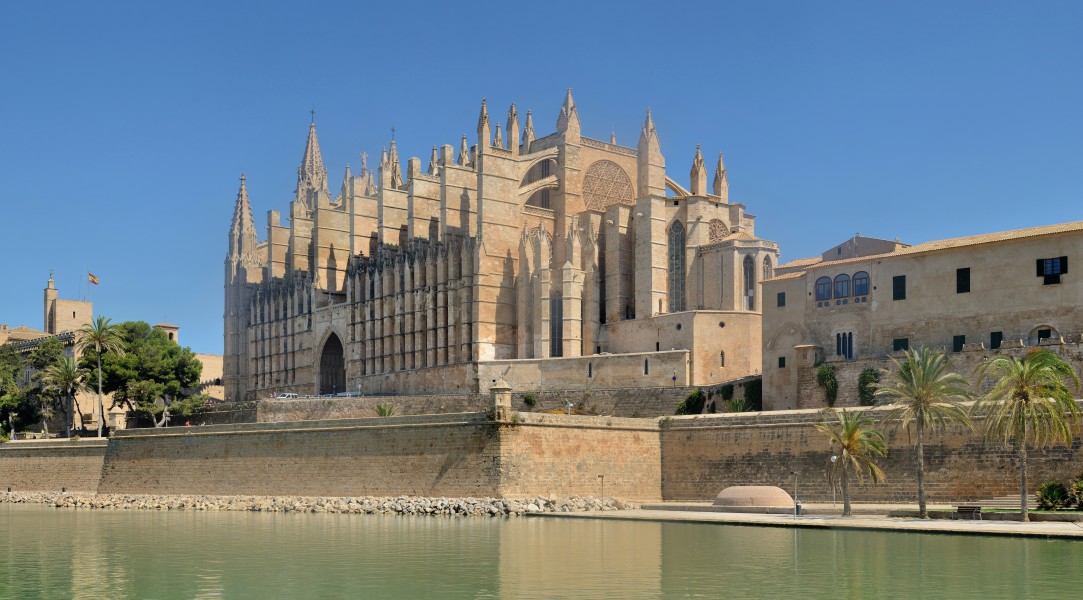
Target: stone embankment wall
632, 403
442, 455
463, 455
52, 465
703, 455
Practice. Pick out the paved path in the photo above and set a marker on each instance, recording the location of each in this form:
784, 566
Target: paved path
866, 522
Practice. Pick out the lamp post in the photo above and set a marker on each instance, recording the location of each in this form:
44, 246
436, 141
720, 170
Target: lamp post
796, 504
833, 459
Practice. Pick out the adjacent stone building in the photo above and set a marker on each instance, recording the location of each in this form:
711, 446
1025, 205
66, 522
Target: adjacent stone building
866, 300
558, 260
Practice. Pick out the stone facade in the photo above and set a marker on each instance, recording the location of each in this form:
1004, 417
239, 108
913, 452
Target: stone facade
493, 261
862, 302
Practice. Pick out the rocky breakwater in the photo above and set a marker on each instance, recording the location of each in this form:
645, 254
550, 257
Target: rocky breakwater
400, 505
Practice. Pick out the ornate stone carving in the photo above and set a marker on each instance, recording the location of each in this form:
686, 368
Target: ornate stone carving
716, 231
606, 184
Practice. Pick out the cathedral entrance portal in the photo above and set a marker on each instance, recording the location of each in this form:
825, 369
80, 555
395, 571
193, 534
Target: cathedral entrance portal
332, 367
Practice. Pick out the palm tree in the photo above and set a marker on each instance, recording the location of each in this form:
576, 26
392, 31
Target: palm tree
66, 379
923, 390
858, 446
1028, 403
101, 337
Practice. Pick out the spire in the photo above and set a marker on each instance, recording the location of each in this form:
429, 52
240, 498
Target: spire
612, 137
498, 142
721, 183
464, 153
569, 116
364, 163
434, 162
383, 157
242, 233
344, 193
311, 174
483, 127
528, 131
513, 129
648, 138
370, 185
396, 169
648, 126
699, 174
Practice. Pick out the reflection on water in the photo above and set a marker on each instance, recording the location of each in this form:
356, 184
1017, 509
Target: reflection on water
59, 553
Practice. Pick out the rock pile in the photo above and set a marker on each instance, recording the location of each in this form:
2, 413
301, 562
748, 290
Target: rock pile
400, 505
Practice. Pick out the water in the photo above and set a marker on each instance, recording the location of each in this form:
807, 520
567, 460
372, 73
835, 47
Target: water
63, 553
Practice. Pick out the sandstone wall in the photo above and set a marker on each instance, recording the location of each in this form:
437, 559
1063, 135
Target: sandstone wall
445, 455
703, 455
581, 456
75, 465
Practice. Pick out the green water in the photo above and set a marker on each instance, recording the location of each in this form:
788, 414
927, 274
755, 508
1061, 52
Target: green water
64, 553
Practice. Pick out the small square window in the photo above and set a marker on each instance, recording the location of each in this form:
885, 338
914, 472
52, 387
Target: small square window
900, 344
781, 299
996, 338
898, 287
962, 280
1050, 269
782, 362
957, 343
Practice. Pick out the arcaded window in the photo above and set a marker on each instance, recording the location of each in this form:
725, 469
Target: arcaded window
842, 286
676, 267
750, 284
823, 289
861, 283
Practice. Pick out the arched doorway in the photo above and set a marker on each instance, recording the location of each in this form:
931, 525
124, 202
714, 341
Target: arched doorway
332, 367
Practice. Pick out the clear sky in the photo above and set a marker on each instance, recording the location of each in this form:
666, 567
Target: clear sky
124, 126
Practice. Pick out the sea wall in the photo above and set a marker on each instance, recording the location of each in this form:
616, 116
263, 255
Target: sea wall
52, 465
703, 455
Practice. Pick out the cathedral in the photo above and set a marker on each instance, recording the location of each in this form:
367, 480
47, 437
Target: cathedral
555, 262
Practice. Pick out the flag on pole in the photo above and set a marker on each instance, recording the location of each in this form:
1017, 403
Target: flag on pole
92, 278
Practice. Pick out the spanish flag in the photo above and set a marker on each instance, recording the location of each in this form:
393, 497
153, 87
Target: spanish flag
93, 278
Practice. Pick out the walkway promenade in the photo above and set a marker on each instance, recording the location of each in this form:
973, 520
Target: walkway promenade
825, 516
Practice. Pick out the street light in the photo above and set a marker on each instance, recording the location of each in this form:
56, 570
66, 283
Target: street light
833, 459
796, 504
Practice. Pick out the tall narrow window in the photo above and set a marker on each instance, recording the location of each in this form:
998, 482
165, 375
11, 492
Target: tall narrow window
962, 280
957, 343
676, 267
898, 287
996, 338
556, 325
750, 284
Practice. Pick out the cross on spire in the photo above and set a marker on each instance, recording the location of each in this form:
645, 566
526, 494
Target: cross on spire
313, 113
392, 131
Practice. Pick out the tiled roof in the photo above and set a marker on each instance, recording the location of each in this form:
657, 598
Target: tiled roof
938, 245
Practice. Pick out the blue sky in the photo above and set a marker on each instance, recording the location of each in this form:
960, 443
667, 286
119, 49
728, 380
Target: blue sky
124, 126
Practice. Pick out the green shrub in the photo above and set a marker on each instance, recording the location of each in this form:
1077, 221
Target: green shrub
1052, 495
386, 409
693, 404
727, 392
754, 394
866, 386
530, 400
825, 378
737, 405
1075, 492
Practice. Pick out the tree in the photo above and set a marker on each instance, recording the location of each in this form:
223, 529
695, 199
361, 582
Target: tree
926, 392
17, 408
66, 379
1029, 403
101, 337
858, 446
155, 377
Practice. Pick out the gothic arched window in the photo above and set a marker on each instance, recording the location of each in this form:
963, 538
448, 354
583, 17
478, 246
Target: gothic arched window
750, 283
556, 325
767, 270
676, 267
